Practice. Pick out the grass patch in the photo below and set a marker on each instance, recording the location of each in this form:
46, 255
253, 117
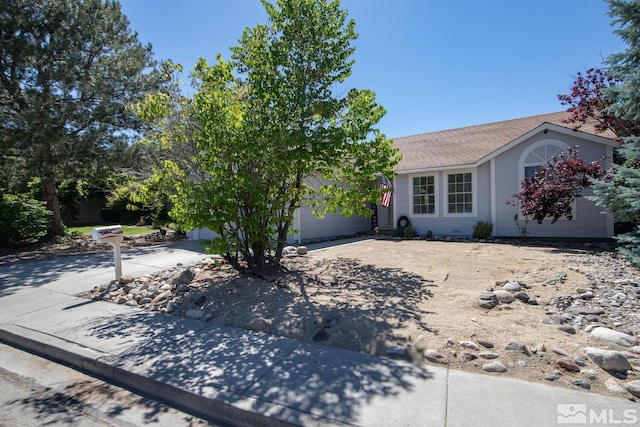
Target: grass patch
86, 230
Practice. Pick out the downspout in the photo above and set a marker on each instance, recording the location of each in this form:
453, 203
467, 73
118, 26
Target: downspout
610, 217
299, 227
494, 216
394, 198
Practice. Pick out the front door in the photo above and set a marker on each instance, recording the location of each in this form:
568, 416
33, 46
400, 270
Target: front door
385, 217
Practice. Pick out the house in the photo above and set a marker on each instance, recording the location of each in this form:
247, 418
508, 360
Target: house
309, 228
447, 181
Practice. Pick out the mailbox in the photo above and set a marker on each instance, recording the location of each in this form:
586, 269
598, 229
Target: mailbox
110, 234
114, 235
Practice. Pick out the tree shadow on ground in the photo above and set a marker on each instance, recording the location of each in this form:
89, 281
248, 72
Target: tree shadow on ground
344, 303
83, 400
270, 374
275, 372
35, 273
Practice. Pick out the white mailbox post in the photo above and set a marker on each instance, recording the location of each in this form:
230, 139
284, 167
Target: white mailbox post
112, 234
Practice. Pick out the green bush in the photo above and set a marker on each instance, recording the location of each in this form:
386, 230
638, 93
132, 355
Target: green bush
482, 230
21, 219
406, 232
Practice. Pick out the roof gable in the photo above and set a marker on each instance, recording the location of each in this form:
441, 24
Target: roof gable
473, 145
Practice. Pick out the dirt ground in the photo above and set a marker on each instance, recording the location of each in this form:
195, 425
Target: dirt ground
400, 298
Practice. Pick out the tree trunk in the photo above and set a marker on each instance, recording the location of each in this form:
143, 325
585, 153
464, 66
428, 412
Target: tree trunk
50, 194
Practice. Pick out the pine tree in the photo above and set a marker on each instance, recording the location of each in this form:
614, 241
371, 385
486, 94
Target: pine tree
69, 70
621, 195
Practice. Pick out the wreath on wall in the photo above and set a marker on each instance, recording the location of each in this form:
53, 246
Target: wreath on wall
403, 222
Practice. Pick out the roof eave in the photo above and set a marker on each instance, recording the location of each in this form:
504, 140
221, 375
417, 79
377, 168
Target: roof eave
437, 168
547, 127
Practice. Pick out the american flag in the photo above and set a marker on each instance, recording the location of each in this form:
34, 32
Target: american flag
386, 197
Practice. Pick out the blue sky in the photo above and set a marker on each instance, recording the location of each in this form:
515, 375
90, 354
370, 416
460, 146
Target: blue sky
434, 64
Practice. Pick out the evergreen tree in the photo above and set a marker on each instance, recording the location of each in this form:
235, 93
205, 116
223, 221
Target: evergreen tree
621, 195
69, 70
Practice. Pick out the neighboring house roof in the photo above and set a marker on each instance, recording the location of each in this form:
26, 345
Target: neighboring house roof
474, 144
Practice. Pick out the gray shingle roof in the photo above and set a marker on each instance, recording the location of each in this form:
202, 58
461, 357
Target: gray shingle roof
464, 146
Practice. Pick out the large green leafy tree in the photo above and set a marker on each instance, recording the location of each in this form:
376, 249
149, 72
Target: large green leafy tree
621, 195
271, 130
69, 69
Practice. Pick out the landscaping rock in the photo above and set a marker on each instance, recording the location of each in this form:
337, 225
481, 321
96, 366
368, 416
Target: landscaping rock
633, 387
257, 324
570, 329
588, 295
585, 310
397, 351
469, 345
485, 343
567, 365
488, 355
126, 279
183, 278
590, 374
613, 386
468, 357
560, 351
512, 286
488, 304
494, 367
516, 346
504, 297
608, 360
487, 300
558, 319
614, 337
435, 356
195, 313
582, 384
523, 296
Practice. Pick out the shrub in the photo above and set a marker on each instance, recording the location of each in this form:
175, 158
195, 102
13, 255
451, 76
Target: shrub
482, 230
21, 219
410, 232
406, 232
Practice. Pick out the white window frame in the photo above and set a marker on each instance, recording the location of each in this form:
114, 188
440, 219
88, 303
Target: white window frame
474, 193
561, 146
436, 195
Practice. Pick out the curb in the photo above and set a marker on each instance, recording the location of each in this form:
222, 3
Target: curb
235, 412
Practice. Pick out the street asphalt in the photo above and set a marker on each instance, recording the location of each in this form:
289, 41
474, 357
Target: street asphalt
250, 378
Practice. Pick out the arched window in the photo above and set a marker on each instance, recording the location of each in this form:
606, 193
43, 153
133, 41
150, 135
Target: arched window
538, 155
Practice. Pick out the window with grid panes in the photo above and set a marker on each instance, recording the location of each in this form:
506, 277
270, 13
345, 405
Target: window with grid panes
460, 193
424, 195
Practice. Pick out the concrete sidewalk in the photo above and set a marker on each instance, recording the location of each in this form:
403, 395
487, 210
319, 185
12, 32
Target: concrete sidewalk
249, 378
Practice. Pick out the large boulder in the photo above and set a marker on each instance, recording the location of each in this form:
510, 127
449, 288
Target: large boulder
608, 360
614, 337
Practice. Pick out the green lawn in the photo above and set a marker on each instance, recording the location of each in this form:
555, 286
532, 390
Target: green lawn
86, 230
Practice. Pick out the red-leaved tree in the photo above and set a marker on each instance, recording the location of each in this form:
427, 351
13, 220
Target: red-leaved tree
588, 102
551, 191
